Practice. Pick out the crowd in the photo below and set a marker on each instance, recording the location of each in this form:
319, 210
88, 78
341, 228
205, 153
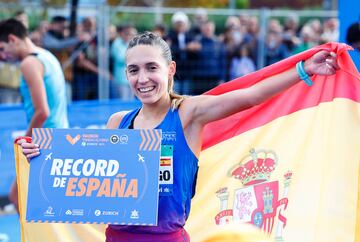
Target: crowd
204, 57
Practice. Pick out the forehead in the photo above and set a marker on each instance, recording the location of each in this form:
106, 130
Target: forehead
141, 54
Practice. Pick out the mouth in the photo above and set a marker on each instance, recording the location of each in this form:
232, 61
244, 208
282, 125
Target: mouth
146, 89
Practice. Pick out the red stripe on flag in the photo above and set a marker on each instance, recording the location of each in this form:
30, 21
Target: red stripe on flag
345, 84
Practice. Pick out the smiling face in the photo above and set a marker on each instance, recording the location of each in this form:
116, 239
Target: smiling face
148, 73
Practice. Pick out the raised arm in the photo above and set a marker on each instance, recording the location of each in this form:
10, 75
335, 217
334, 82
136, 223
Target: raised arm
210, 108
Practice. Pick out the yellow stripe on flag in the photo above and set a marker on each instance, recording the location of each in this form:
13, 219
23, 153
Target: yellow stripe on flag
320, 145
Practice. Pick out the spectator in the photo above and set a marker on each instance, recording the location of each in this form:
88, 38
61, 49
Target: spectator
241, 63
22, 17
182, 46
85, 68
290, 38
121, 87
210, 68
353, 35
275, 50
200, 17
56, 37
160, 29
331, 30
307, 39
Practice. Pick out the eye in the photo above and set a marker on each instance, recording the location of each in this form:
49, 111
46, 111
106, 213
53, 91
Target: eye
132, 71
153, 67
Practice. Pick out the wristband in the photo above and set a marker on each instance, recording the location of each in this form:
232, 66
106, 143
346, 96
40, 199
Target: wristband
26, 138
300, 68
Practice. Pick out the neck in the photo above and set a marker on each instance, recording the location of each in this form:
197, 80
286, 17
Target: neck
157, 109
27, 48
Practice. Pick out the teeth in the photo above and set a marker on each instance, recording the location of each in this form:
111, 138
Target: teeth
146, 89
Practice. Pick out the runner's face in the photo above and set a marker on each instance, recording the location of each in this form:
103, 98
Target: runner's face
7, 51
148, 73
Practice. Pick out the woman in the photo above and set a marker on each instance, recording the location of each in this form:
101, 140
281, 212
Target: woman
150, 71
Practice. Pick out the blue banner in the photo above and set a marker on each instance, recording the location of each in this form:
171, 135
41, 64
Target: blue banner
95, 176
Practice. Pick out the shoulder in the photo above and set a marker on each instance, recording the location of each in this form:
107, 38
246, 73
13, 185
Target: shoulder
115, 119
31, 65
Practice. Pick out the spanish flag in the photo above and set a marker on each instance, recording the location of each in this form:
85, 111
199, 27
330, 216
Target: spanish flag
289, 168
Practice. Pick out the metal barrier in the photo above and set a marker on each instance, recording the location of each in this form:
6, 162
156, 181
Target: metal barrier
107, 15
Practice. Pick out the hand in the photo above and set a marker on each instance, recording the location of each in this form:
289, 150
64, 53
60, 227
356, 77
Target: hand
322, 63
29, 149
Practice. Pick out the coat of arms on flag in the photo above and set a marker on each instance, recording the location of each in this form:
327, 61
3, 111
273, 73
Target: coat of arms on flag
258, 202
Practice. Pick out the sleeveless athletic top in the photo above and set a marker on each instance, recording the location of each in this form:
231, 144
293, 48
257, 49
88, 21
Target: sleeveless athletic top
54, 84
178, 172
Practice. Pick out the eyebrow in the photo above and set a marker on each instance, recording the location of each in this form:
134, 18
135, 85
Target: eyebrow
146, 64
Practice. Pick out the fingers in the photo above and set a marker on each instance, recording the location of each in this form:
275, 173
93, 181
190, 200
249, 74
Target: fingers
31, 155
29, 149
331, 61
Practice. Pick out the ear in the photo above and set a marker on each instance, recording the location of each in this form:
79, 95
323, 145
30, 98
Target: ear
12, 38
172, 68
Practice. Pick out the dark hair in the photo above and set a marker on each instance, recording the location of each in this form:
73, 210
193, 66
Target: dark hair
58, 19
12, 26
123, 27
149, 38
353, 33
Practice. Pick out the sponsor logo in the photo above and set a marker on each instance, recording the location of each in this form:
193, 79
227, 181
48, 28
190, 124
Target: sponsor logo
114, 139
75, 212
49, 212
97, 212
72, 140
134, 214
124, 139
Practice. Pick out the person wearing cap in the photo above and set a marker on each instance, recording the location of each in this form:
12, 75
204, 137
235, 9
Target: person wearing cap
183, 47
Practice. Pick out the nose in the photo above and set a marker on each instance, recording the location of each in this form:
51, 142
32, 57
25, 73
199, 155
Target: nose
142, 77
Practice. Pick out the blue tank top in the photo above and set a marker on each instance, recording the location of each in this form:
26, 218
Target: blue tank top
54, 83
177, 179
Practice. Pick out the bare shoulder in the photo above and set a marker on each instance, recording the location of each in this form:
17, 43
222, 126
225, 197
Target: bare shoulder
115, 120
29, 62
31, 65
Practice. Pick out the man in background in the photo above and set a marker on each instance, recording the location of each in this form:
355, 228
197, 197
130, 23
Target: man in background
42, 84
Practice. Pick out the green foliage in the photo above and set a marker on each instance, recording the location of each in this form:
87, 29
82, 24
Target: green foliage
242, 4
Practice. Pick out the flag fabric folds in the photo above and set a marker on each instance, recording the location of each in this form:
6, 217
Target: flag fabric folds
289, 166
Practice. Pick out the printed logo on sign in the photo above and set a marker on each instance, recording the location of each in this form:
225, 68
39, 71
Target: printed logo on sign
72, 140
257, 201
49, 212
134, 214
114, 139
124, 139
97, 212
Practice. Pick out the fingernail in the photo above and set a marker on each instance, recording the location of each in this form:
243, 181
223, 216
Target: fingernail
332, 54
36, 145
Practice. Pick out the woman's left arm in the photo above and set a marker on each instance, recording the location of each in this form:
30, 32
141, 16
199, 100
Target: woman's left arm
210, 108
